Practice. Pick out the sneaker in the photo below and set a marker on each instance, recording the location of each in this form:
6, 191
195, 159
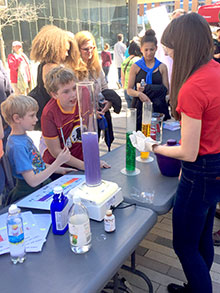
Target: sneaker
216, 238
174, 288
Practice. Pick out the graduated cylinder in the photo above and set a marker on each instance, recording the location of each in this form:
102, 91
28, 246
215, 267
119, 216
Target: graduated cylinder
88, 124
130, 150
146, 124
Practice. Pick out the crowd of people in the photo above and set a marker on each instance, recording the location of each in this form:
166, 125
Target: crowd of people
51, 106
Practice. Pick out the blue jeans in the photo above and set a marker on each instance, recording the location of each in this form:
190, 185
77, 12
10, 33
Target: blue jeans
106, 71
119, 75
193, 217
128, 99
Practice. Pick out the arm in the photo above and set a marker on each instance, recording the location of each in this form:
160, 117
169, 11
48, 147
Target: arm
33, 179
164, 73
131, 83
54, 148
1, 129
190, 140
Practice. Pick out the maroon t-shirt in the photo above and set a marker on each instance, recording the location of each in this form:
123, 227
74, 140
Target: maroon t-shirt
54, 120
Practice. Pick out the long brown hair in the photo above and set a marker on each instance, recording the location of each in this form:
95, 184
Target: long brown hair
93, 65
191, 40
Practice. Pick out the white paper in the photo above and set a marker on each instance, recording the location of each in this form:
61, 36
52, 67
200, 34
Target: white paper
36, 228
171, 125
42, 198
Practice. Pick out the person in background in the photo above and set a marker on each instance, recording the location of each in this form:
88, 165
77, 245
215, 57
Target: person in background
216, 55
195, 100
2, 174
5, 91
134, 56
106, 60
51, 47
20, 73
155, 76
119, 52
105, 97
60, 118
27, 166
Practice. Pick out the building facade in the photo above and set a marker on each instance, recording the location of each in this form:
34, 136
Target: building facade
103, 18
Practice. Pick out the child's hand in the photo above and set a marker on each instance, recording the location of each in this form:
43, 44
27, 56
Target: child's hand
64, 156
104, 165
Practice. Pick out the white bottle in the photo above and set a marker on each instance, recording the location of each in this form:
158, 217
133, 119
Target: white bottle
79, 227
16, 234
109, 221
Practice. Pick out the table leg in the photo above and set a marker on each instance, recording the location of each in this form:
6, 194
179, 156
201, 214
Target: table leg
133, 270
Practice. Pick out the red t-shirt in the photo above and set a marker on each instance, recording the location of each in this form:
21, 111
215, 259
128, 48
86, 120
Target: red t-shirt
106, 58
54, 120
199, 98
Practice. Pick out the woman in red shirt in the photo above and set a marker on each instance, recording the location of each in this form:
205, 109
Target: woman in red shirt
195, 100
106, 60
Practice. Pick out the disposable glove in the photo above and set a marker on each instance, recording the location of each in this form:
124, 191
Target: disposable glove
141, 142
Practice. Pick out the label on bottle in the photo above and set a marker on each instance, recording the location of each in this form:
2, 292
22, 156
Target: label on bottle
61, 218
109, 223
15, 234
80, 234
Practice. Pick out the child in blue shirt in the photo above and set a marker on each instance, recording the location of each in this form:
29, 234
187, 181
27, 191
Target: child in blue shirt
28, 168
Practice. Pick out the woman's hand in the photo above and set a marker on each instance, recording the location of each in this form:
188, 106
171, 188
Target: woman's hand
143, 97
107, 106
139, 87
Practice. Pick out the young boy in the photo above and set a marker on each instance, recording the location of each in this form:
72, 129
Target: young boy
60, 121
28, 168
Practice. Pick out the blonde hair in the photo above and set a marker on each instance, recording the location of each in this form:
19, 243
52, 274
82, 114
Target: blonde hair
17, 104
93, 65
58, 76
106, 46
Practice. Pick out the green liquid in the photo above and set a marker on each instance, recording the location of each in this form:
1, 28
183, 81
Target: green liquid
130, 154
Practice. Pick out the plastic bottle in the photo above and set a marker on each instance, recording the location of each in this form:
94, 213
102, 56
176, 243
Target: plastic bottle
143, 83
109, 221
16, 234
79, 227
59, 211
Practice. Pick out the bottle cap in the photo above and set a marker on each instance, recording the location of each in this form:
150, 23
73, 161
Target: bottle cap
76, 198
57, 190
171, 142
13, 209
108, 212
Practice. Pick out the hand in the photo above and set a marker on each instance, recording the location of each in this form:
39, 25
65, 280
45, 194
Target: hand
143, 97
104, 165
64, 156
141, 142
107, 106
139, 87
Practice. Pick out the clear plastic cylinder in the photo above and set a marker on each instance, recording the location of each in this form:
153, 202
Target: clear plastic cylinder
131, 115
88, 123
146, 122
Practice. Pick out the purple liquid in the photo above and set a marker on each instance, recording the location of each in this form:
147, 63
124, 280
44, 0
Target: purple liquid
91, 158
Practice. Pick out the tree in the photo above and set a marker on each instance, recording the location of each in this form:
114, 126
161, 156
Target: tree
14, 13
